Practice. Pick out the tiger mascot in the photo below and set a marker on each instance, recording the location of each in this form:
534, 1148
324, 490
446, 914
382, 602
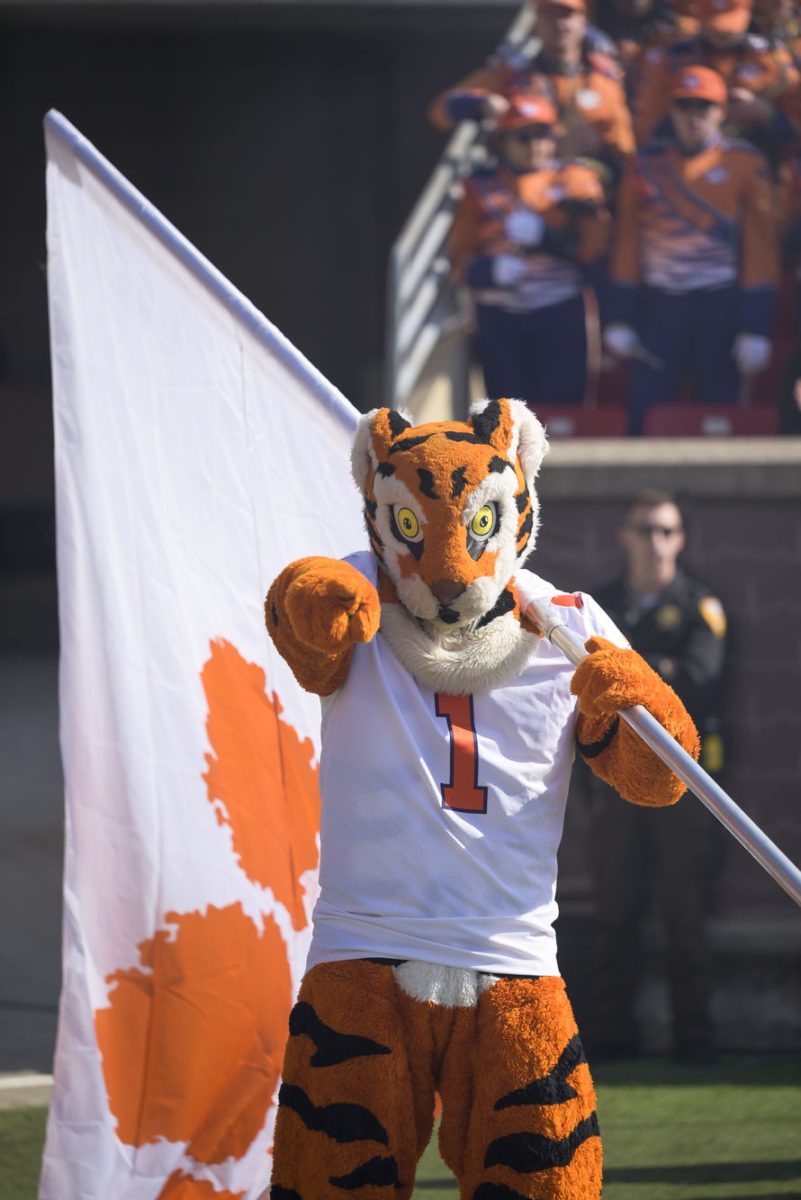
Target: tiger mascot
448, 731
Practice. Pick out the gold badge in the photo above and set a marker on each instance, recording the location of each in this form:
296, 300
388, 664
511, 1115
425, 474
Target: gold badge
668, 617
711, 610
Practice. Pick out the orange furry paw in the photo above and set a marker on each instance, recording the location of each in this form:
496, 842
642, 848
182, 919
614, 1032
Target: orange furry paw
330, 605
316, 611
611, 678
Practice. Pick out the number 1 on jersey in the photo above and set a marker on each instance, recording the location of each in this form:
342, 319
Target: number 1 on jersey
462, 792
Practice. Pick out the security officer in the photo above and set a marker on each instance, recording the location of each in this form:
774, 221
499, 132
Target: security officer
576, 68
695, 265
527, 233
679, 626
761, 78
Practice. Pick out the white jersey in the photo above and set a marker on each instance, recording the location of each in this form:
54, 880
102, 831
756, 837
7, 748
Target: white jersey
442, 816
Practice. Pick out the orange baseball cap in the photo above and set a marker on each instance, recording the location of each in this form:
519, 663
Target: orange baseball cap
699, 83
576, 5
730, 16
526, 108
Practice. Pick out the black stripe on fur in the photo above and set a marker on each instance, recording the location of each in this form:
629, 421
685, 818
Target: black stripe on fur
341, 1122
332, 1047
552, 1088
529, 1152
593, 749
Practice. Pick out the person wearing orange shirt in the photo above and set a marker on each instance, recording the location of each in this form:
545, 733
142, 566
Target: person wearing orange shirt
637, 25
576, 68
524, 236
695, 265
762, 79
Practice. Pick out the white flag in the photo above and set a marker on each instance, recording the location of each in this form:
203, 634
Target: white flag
196, 454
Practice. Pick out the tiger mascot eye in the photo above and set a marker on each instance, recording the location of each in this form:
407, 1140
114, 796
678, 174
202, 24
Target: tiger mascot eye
449, 728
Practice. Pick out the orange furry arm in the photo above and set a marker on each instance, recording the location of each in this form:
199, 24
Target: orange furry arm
606, 681
316, 611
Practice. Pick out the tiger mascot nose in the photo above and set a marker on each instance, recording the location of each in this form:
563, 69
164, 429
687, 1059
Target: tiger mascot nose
447, 590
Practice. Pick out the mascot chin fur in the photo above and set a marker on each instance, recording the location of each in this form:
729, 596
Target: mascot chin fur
449, 729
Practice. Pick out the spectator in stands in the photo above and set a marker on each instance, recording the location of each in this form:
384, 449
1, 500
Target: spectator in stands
634, 25
524, 233
576, 68
694, 268
762, 80
637, 854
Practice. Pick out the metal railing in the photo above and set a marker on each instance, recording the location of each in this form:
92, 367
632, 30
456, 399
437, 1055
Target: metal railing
428, 316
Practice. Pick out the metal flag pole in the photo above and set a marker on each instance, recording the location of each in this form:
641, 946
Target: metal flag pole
721, 805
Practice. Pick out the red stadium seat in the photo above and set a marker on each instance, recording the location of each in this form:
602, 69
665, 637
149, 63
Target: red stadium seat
584, 422
718, 420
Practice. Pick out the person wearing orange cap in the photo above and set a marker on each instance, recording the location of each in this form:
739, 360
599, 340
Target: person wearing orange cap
525, 234
635, 25
576, 67
695, 265
763, 81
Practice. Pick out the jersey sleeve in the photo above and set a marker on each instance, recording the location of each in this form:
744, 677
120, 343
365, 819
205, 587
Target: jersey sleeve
598, 624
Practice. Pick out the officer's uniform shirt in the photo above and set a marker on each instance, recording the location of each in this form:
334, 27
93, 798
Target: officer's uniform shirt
681, 633
591, 102
697, 222
569, 198
767, 71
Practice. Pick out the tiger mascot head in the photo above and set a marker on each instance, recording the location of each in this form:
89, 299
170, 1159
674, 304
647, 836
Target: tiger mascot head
452, 514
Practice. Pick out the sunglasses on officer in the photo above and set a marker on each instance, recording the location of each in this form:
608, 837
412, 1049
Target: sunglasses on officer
645, 530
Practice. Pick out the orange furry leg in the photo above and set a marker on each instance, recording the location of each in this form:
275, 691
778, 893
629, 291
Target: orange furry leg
611, 679
316, 611
356, 1106
530, 1129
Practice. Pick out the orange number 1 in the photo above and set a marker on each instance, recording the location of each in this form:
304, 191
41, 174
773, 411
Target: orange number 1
462, 792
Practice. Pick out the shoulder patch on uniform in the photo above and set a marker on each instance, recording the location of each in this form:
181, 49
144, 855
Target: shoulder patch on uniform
712, 612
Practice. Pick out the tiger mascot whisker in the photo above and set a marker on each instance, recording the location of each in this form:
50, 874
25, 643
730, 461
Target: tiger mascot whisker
449, 728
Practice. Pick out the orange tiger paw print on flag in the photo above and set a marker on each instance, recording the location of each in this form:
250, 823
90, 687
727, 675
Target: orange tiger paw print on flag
192, 1040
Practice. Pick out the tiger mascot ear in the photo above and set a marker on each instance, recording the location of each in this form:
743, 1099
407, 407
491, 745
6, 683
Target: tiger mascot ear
375, 433
509, 426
